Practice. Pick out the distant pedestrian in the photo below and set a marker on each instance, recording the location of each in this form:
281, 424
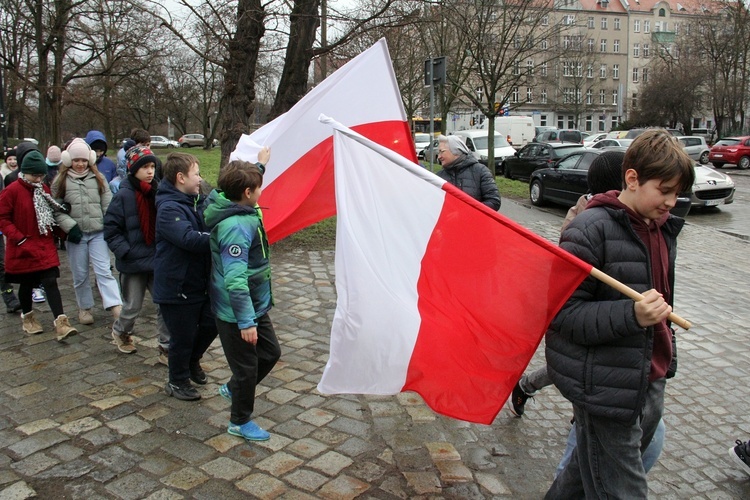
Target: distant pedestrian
80, 185
98, 143
461, 169
27, 220
241, 289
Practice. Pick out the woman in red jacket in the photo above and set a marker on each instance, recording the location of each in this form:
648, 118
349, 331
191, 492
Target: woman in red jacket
26, 219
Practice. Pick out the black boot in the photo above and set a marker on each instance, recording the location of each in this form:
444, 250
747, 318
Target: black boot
11, 301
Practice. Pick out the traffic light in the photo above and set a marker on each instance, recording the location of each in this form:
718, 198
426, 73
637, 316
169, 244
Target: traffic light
434, 71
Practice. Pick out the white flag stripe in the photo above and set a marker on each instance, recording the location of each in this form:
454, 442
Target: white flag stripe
386, 216
354, 94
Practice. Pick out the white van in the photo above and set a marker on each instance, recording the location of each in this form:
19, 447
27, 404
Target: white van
520, 129
477, 141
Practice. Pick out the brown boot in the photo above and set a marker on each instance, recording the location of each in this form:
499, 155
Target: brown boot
30, 325
62, 325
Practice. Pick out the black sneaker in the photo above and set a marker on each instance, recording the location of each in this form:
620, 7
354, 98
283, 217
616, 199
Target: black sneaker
518, 400
185, 392
197, 374
741, 455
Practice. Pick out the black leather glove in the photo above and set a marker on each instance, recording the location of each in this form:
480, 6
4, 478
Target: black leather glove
75, 234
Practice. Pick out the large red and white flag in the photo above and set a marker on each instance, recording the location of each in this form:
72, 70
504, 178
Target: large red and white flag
437, 293
298, 183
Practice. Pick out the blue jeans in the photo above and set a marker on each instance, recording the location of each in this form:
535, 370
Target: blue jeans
607, 462
93, 249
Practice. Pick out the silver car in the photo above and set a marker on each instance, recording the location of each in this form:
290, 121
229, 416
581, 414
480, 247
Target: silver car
711, 188
159, 141
696, 148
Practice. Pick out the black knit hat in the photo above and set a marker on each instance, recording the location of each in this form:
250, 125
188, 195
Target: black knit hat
10, 152
139, 156
23, 148
605, 172
34, 163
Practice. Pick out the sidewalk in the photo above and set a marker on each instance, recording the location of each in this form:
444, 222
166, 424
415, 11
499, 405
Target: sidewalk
80, 420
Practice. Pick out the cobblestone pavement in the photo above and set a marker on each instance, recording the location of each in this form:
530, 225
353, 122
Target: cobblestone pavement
80, 420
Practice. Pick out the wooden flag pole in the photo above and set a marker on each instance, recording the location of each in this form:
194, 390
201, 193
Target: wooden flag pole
626, 290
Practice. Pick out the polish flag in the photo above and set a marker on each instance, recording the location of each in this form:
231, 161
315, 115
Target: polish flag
437, 293
298, 184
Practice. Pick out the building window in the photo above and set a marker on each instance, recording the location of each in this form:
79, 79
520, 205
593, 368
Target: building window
590, 71
645, 75
602, 97
646, 50
544, 44
514, 95
615, 121
601, 122
616, 71
591, 44
544, 69
579, 69
589, 123
589, 97
528, 94
616, 46
545, 21
617, 23
662, 13
560, 122
571, 121
604, 23
635, 75
517, 68
530, 66
566, 69
517, 42
566, 42
636, 50
569, 20
636, 26
591, 22
566, 96
614, 97
676, 28
543, 118
603, 45
634, 101
647, 26
543, 98
603, 71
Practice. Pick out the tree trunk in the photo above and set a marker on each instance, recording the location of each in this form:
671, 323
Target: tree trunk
239, 75
304, 22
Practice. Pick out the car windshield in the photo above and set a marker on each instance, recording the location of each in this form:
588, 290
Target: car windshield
727, 142
422, 138
481, 142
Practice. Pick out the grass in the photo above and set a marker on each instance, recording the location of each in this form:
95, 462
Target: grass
208, 160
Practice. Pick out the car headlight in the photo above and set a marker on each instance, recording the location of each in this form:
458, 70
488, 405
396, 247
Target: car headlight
483, 157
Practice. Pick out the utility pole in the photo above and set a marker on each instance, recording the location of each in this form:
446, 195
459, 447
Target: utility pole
434, 74
3, 122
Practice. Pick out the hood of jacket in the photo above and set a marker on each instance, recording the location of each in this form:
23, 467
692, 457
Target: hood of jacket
610, 199
95, 135
219, 207
168, 192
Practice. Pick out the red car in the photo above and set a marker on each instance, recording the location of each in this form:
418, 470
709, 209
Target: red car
734, 150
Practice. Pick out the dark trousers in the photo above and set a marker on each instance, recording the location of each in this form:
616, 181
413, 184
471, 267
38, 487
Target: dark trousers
192, 329
51, 292
3, 285
249, 364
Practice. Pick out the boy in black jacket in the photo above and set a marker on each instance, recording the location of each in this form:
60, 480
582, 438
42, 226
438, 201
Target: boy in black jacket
605, 353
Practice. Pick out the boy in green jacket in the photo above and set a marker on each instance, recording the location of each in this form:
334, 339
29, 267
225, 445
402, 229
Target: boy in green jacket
241, 289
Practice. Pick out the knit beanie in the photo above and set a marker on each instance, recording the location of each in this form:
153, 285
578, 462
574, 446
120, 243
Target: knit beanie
54, 156
139, 156
605, 172
33, 163
10, 152
76, 150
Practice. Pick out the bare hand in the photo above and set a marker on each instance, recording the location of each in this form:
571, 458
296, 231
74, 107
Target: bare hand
653, 309
264, 155
250, 335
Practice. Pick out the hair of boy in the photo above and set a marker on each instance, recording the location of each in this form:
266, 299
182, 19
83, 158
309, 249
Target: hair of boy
605, 172
176, 163
657, 154
237, 176
140, 136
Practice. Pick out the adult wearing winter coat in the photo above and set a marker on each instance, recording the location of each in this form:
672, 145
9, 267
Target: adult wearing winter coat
462, 170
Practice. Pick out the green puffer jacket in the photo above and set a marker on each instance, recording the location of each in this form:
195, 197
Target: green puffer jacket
241, 271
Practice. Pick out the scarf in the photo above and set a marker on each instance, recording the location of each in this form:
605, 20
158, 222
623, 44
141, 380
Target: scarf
146, 202
78, 175
44, 205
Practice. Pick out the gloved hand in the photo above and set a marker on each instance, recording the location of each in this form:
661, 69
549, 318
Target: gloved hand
65, 207
75, 234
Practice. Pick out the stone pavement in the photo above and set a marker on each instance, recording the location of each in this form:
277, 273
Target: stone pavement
80, 420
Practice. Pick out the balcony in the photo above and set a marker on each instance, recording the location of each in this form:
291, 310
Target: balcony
663, 37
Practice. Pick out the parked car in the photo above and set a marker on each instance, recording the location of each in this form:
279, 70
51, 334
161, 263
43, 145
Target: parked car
540, 129
734, 150
478, 143
424, 153
190, 140
593, 139
558, 136
535, 156
707, 134
610, 143
159, 141
421, 141
626, 134
711, 188
696, 147
566, 181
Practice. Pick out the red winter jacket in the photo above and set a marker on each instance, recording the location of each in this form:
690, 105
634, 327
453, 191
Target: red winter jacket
18, 221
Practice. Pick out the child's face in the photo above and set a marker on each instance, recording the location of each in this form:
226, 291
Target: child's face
79, 164
251, 197
146, 172
655, 198
34, 177
12, 162
190, 183
99, 153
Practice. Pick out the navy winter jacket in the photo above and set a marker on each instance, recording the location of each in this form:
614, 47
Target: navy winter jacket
105, 166
122, 230
182, 265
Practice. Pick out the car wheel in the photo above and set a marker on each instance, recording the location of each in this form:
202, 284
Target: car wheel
536, 193
704, 158
506, 172
170, 146
744, 162
184, 145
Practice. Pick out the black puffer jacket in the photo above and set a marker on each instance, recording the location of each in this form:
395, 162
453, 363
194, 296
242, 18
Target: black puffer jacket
474, 179
597, 354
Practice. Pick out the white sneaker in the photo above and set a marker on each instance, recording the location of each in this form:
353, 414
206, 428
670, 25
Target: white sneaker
37, 295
